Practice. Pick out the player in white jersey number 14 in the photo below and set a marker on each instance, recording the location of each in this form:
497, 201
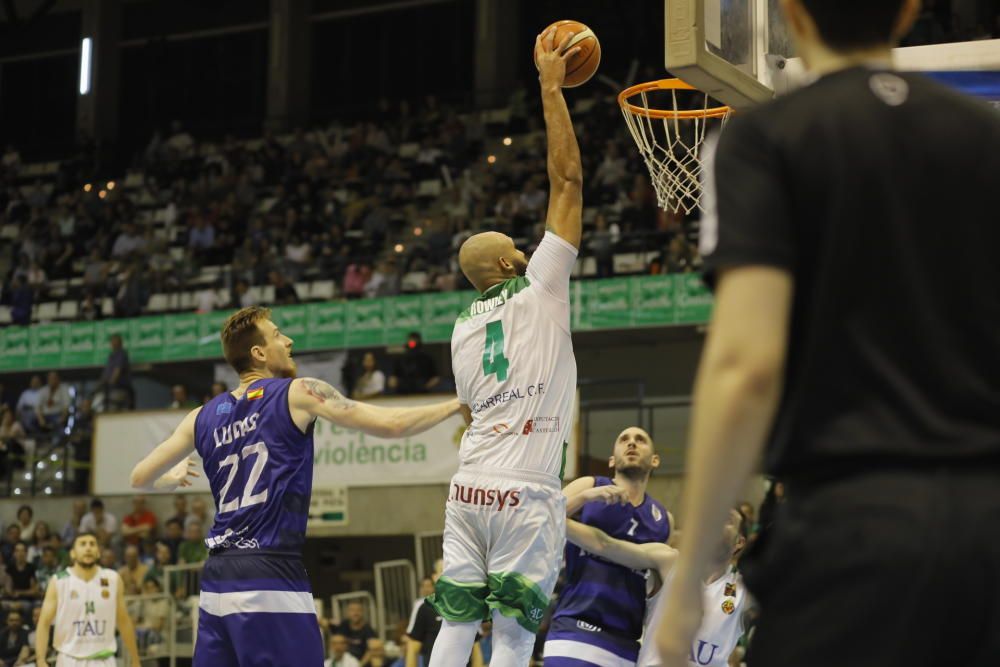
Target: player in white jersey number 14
515, 375
87, 603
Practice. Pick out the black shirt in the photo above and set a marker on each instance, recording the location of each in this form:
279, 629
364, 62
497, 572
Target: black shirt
357, 640
11, 644
21, 579
425, 630
880, 193
414, 370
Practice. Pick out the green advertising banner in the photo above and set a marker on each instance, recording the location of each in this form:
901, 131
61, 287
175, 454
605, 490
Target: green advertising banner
327, 325
45, 345
612, 303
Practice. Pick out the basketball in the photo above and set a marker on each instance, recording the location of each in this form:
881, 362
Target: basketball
584, 64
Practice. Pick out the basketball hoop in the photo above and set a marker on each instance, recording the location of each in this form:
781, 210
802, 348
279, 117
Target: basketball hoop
669, 136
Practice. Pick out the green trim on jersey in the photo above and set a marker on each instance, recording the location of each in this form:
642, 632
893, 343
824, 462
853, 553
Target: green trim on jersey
562, 466
460, 602
62, 574
100, 655
494, 296
517, 597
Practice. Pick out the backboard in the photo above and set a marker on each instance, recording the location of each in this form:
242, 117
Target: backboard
740, 53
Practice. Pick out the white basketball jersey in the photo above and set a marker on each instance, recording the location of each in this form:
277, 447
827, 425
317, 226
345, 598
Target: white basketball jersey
721, 627
86, 614
512, 356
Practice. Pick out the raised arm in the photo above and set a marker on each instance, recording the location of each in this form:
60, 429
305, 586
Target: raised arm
168, 466
45, 619
651, 555
316, 398
564, 217
575, 493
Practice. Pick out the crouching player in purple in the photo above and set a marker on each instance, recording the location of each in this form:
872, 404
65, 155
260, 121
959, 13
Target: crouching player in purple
599, 617
256, 605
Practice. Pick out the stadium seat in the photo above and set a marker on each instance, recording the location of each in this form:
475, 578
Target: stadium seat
323, 290
429, 188
107, 307
68, 310
46, 312
631, 262
302, 289
409, 150
133, 180
5, 315
158, 303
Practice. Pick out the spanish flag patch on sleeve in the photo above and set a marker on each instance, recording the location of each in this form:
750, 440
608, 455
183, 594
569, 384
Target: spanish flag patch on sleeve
254, 394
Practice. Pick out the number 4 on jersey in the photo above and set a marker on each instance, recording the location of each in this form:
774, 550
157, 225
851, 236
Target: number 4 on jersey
494, 363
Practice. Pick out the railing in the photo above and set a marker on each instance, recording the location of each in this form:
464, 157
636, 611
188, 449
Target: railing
428, 547
395, 591
183, 583
155, 619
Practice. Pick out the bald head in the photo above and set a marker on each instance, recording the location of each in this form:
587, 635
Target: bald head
490, 258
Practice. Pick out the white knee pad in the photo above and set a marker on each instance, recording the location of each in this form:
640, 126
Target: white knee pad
512, 644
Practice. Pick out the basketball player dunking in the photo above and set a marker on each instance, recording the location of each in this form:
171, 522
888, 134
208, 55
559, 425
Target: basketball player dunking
516, 377
86, 603
598, 620
257, 447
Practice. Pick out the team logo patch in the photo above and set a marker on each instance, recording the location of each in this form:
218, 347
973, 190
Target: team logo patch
728, 606
105, 594
500, 428
891, 89
254, 394
730, 591
73, 595
536, 614
104, 582
657, 514
223, 408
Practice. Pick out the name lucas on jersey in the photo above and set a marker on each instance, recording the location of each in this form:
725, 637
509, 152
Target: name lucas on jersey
238, 429
472, 495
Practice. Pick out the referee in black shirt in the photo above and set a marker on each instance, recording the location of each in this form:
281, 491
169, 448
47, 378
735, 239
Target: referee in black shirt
852, 236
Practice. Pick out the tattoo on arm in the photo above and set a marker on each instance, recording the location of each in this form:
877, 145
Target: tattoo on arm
323, 392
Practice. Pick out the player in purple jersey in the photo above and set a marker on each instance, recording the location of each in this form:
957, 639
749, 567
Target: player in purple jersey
599, 617
257, 447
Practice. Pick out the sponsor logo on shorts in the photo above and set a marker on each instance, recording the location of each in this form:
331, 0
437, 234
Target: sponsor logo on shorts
583, 625
541, 425
536, 614
471, 495
502, 429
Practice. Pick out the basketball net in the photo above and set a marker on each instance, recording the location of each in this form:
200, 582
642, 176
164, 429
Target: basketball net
669, 136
